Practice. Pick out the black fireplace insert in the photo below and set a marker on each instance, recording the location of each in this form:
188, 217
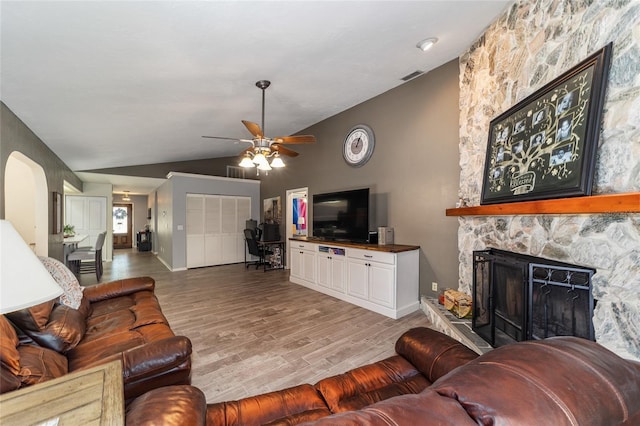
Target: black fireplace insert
518, 297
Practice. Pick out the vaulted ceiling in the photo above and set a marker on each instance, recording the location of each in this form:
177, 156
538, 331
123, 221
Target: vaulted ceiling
107, 83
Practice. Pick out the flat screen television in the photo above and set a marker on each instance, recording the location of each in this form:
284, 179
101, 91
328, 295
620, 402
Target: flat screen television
342, 216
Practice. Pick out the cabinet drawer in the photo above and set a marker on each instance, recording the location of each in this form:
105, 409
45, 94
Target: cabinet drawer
297, 245
375, 256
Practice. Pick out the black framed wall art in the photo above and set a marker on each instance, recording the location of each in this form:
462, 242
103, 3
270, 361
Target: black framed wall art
544, 147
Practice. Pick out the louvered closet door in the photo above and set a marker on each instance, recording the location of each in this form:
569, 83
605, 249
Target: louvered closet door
229, 230
195, 231
243, 214
213, 230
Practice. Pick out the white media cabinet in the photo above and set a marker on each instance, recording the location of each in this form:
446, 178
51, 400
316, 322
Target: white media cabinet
381, 278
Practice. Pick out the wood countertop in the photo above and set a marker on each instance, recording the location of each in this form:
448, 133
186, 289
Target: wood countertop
388, 248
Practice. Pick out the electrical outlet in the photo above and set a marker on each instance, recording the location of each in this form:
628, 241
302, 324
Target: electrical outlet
434, 286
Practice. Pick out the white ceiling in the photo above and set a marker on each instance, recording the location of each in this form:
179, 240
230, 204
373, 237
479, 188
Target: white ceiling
107, 83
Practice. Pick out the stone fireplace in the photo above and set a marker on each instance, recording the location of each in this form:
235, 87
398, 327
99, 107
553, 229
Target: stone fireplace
518, 297
529, 45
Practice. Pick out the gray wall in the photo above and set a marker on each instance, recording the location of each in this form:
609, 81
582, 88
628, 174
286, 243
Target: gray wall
413, 172
16, 136
172, 210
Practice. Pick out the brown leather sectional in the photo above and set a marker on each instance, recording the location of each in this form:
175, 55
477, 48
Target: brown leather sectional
432, 379
558, 381
118, 320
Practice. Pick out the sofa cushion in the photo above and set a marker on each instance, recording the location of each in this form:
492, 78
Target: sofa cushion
424, 409
62, 330
9, 356
119, 324
288, 406
33, 318
168, 406
72, 292
433, 353
568, 380
371, 383
38, 364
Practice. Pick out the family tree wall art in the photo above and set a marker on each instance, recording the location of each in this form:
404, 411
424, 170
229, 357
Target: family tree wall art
544, 147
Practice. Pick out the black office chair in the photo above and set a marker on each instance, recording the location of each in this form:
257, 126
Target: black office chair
255, 249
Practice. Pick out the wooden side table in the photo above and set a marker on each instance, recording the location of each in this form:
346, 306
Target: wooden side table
88, 397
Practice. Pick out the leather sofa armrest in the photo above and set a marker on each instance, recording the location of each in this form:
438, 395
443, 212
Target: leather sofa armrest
433, 353
168, 406
153, 358
117, 288
8, 380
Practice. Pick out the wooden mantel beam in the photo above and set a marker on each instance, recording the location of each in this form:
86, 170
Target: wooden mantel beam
607, 203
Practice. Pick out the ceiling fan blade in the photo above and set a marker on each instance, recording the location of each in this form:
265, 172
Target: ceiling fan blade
295, 139
253, 128
236, 140
284, 151
222, 137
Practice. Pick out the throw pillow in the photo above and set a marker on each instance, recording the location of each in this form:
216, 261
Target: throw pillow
72, 296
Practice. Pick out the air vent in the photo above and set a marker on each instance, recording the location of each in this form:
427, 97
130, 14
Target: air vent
412, 75
235, 172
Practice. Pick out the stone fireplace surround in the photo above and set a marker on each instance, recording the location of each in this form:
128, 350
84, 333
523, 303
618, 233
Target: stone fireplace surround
528, 46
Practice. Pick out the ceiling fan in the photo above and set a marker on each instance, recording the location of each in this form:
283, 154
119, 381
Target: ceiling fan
263, 147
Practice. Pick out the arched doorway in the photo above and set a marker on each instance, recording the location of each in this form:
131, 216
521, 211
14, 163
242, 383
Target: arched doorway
26, 201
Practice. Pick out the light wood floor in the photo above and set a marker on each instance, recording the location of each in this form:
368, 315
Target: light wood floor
254, 331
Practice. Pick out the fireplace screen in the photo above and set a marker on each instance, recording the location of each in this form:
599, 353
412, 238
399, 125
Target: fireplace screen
518, 297
561, 302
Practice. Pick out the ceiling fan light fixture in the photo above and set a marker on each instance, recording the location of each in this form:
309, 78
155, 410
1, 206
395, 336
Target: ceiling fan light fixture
260, 159
264, 166
277, 161
246, 162
427, 43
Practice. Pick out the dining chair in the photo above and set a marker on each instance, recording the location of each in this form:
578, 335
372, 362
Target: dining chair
89, 248
87, 261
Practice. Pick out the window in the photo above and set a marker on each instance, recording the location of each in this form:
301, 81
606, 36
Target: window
120, 220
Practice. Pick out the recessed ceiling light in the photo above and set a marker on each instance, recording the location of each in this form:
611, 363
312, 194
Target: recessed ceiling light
427, 43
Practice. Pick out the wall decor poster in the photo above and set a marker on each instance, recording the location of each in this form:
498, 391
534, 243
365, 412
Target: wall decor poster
272, 210
544, 147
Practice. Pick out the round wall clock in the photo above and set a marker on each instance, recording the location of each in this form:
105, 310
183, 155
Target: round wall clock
358, 145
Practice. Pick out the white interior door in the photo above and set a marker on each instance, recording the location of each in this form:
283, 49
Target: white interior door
88, 215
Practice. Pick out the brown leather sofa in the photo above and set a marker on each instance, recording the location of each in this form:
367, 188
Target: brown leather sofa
558, 381
118, 320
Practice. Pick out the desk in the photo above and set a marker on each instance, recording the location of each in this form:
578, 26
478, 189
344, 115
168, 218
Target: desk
276, 259
88, 397
70, 244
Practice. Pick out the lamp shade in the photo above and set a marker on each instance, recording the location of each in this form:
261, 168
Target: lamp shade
24, 281
264, 166
246, 162
259, 159
277, 162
